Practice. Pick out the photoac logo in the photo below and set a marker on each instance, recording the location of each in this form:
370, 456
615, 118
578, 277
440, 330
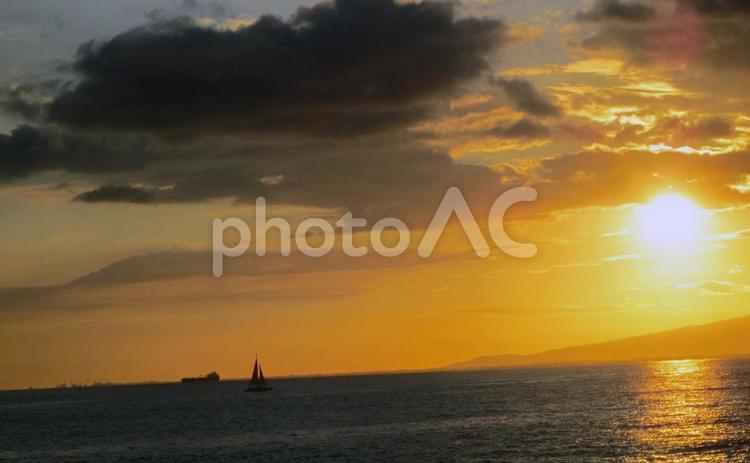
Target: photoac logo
453, 203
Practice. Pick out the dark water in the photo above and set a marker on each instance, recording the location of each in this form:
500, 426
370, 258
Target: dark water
670, 411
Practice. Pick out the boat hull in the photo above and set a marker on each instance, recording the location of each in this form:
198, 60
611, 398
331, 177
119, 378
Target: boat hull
198, 380
259, 389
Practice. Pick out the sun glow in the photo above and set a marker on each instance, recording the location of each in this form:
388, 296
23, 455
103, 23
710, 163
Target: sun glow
670, 222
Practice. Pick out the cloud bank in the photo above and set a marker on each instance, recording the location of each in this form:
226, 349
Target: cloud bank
335, 69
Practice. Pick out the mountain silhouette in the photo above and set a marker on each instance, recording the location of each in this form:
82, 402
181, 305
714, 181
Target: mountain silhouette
727, 338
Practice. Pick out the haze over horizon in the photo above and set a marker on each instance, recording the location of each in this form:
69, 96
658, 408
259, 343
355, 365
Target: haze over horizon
127, 126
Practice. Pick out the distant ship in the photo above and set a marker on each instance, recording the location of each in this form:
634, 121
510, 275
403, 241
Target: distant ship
209, 378
258, 382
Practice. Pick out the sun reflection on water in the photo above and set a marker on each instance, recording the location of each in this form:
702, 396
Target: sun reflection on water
685, 412
676, 367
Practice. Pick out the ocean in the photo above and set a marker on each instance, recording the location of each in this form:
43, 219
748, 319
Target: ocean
693, 410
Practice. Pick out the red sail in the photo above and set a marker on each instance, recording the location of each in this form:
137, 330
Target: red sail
262, 379
254, 380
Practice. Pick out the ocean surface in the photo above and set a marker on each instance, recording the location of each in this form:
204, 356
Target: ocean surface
659, 411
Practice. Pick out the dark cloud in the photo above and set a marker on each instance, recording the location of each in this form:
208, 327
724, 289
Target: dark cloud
373, 177
711, 32
27, 100
381, 180
617, 10
674, 131
702, 129
523, 128
29, 150
117, 193
527, 98
18, 101
712, 127
720, 7
340, 68
173, 112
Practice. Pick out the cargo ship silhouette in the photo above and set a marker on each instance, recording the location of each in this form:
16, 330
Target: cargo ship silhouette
209, 378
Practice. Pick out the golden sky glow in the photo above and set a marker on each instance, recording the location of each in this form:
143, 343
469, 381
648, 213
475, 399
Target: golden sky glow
638, 152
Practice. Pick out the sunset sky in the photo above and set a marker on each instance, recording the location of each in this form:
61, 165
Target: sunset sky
127, 126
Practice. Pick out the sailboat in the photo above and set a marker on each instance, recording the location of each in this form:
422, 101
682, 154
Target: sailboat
258, 382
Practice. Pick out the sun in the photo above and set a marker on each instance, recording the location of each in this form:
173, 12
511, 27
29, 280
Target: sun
670, 222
